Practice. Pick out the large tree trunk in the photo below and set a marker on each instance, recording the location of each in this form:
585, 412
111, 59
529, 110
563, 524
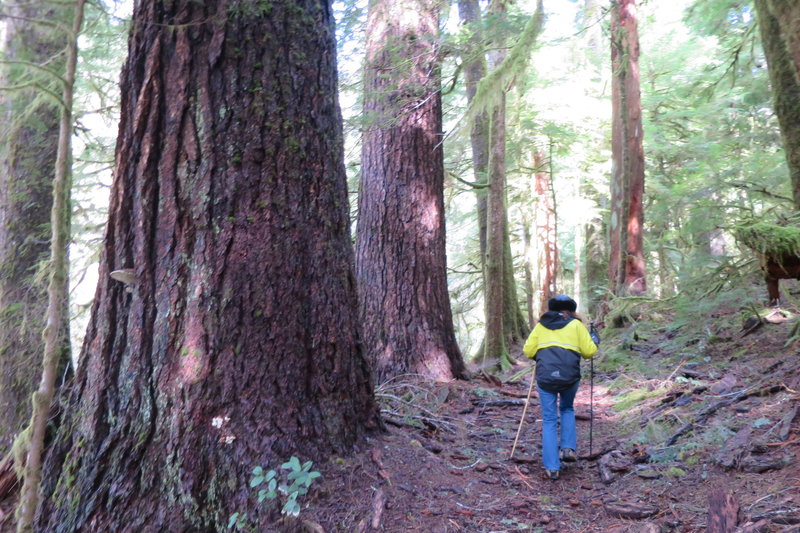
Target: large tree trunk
779, 37
224, 331
626, 265
400, 241
28, 141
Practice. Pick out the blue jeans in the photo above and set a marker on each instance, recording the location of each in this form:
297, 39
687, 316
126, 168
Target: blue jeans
550, 442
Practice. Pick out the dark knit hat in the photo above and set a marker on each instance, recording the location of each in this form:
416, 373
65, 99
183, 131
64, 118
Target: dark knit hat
562, 302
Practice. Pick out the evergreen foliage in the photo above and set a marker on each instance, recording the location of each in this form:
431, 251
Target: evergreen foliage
770, 239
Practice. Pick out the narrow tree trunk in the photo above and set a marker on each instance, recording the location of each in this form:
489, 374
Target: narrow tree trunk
515, 327
474, 71
495, 346
546, 232
616, 228
28, 144
778, 37
514, 324
530, 261
627, 263
54, 334
787, 13
224, 332
400, 240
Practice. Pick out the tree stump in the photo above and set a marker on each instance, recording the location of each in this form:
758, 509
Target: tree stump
723, 512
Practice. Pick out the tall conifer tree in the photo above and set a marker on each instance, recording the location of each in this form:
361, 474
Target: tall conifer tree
400, 238
224, 331
626, 264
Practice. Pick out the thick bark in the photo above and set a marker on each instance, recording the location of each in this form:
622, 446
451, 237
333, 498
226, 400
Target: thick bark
723, 511
783, 73
232, 339
29, 133
401, 262
626, 265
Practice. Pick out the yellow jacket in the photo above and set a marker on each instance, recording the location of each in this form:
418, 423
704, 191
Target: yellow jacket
557, 344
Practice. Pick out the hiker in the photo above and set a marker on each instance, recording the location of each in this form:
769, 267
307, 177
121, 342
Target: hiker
556, 344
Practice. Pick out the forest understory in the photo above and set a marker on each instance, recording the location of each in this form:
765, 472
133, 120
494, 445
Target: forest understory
679, 421
673, 426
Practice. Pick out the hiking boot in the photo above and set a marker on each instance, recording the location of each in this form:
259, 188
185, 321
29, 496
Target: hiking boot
568, 455
552, 474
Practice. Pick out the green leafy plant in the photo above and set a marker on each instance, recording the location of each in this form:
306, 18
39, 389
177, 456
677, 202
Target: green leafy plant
237, 521
294, 484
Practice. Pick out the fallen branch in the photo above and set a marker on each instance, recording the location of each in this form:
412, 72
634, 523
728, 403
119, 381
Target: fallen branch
498, 403
630, 510
378, 504
706, 413
596, 455
779, 444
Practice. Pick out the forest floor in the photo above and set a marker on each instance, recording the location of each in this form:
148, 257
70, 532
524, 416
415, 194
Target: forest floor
673, 425
679, 419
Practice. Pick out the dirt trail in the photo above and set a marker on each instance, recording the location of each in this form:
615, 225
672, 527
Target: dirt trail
444, 465
669, 431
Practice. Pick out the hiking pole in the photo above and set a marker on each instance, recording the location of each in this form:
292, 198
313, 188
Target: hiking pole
524, 410
591, 396
591, 404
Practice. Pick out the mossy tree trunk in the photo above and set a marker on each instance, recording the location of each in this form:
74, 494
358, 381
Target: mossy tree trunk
28, 143
787, 13
401, 261
515, 327
474, 62
530, 264
779, 24
55, 337
232, 340
627, 275
595, 250
495, 344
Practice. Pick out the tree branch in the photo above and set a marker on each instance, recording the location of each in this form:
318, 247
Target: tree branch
43, 22
35, 66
